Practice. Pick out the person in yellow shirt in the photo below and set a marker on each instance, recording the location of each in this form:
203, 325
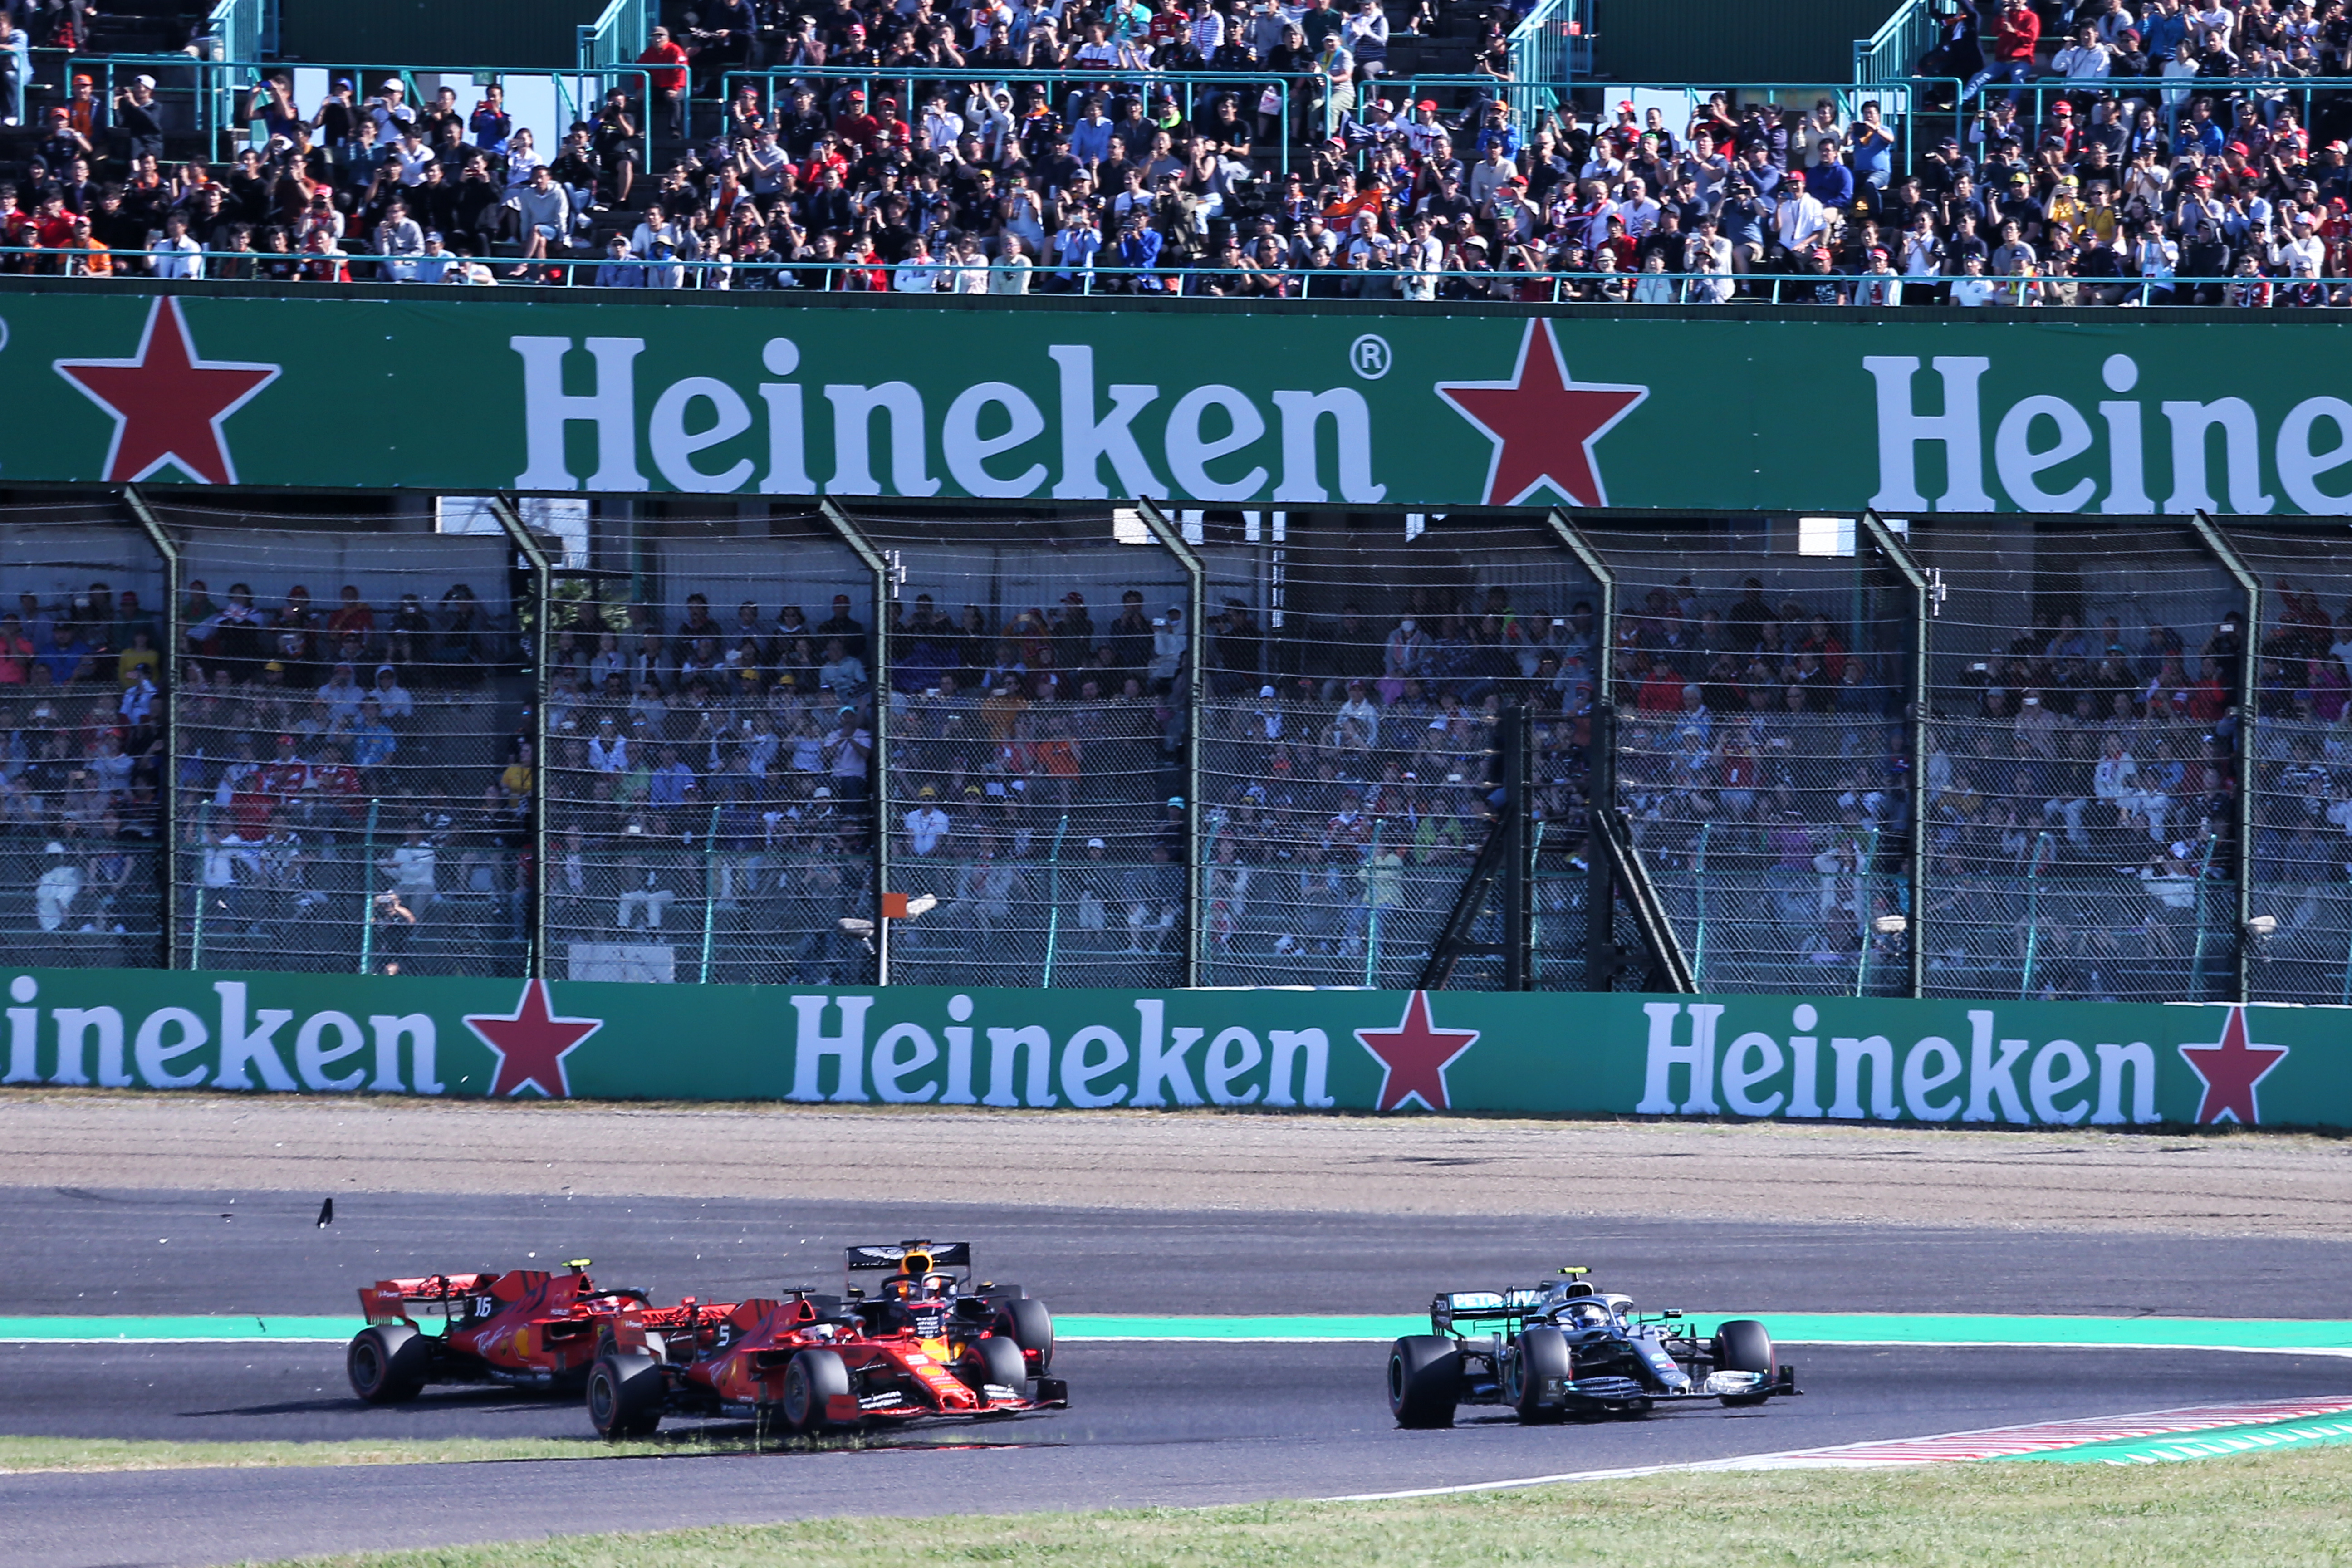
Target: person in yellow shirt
2065, 204
2099, 216
139, 655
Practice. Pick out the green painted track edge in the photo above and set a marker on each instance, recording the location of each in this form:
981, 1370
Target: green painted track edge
2220, 1442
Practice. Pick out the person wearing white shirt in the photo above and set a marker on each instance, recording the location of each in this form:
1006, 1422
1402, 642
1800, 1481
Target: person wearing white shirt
1654, 287
409, 159
1800, 223
177, 255
927, 826
1640, 213
1708, 253
918, 274
2301, 246
2085, 59
1972, 289
942, 126
434, 264
1208, 32
1923, 252
1879, 285
967, 268
522, 159
1010, 273
1421, 260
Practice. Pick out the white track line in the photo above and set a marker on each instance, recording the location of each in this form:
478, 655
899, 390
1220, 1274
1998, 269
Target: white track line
1854, 1455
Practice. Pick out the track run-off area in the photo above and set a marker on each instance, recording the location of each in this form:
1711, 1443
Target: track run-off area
1225, 1285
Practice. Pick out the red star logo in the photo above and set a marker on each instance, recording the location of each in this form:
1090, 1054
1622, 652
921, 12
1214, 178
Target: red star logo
1413, 1056
1543, 425
2232, 1069
531, 1044
168, 406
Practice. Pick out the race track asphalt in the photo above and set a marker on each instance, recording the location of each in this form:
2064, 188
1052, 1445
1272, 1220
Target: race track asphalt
1150, 1423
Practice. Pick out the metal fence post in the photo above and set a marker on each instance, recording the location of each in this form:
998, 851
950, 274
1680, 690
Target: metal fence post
1600, 774
878, 678
2247, 681
1915, 710
542, 605
167, 789
1196, 600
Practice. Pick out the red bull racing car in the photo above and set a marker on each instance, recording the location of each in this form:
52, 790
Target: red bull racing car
922, 1345
530, 1327
1566, 1350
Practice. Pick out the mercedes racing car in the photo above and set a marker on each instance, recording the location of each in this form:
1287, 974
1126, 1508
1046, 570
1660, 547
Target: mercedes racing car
919, 1348
528, 1328
1566, 1350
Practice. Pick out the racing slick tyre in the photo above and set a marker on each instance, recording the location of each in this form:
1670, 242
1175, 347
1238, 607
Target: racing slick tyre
810, 1382
1425, 1381
1542, 1360
387, 1362
1743, 1345
1029, 1325
994, 1359
624, 1395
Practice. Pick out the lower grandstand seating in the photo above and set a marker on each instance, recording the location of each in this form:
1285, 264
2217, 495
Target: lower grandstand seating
355, 786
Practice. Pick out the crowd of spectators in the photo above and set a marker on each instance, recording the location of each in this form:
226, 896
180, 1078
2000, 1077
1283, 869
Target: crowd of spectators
2106, 169
313, 735
81, 760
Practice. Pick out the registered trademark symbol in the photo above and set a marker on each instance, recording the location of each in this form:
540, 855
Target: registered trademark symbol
1368, 356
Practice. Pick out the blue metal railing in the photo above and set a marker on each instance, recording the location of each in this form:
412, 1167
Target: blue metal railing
1892, 52
239, 25
617, 36
1539, 56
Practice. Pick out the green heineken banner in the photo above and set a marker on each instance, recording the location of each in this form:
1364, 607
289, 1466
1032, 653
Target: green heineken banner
2018, 1063
1676, 409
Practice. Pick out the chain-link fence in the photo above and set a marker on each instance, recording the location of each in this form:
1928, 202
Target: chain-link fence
2082, 761
2301, 772
1759, 671
81, 738
1037, 748
709, 720
1355, 669
355, 780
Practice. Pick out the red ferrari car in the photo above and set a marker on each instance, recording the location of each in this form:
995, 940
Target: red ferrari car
529, 1327
914, 1349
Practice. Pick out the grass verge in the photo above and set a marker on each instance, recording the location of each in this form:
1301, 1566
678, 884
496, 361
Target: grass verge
2268, 1509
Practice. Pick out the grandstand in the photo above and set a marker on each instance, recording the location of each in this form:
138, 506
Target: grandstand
349, 726
785, 740
2091, 156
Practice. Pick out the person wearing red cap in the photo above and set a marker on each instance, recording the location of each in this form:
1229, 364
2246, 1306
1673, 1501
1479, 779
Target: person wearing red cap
1880, 284
1801, 221
856, 128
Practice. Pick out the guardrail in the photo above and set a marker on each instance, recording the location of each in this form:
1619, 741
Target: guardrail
1892, 52
617, 36
238, 27
216, 98
951, 276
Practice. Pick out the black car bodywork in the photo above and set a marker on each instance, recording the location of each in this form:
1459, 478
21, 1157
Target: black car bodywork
1563, 1350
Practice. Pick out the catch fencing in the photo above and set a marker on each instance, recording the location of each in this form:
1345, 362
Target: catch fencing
831, 743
